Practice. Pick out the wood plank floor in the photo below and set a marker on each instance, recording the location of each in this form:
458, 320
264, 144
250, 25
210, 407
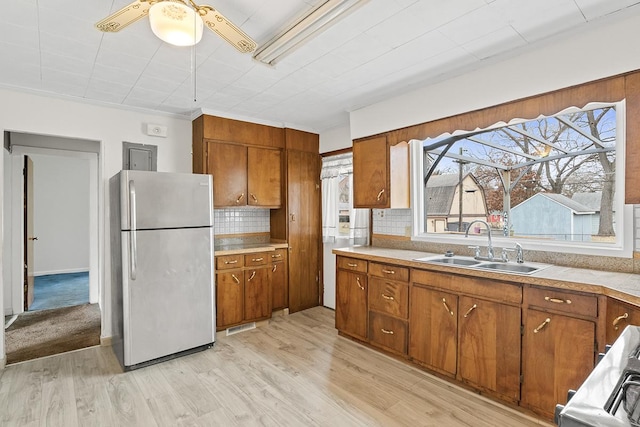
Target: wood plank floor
295, 371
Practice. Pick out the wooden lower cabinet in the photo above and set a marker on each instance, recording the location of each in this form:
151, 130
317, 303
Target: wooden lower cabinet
489, 346
257, 296
433, 329
279, 280
229, 298
619, 316
558, 355
243, 289
351, 303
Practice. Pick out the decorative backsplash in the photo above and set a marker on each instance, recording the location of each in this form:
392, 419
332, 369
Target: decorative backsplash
241, 221
392, 222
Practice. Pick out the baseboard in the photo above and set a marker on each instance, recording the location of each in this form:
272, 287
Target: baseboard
67, 271
106, 341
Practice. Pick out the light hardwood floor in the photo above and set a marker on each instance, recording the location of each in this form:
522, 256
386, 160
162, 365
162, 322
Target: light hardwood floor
295, 371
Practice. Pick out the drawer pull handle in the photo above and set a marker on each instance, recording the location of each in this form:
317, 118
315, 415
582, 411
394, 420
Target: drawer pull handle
359, 285
240, 197
444, 302
352, 265
542, 325
618, 320
253, 196
388, 271
275, 267
235, 261
235, 279
557, 300
257, 259
253, 274
387, 297
276, 256
473, 307
380, 195
385, 331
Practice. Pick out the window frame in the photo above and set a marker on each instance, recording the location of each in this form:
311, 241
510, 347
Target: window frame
623, 245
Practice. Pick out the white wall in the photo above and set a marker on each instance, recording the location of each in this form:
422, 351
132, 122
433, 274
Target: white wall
603, 50
61, 214
28, 113
335, 139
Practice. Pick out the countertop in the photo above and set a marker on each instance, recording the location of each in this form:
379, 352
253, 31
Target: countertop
244, 248
622, 286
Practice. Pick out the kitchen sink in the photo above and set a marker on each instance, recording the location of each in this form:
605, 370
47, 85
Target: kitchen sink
467, 262
472, 263
509, 268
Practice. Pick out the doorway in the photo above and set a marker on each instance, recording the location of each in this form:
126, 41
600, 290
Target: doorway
64, 236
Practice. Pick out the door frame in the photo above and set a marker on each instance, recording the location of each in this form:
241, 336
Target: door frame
17, 220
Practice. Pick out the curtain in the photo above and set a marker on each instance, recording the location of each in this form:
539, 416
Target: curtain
337, 202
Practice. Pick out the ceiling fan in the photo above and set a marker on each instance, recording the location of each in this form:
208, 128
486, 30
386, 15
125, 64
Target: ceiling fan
178, 22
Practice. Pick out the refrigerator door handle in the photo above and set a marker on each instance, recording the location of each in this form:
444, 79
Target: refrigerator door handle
133, 242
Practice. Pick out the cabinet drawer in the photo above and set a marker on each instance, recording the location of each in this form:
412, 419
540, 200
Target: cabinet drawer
224, 262
488, 288
278, 255
388, 296
568, 302
389, 271
352, 264
388, 332
261, 258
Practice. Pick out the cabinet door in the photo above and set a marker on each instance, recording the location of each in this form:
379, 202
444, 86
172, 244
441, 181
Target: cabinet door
351, 303
228, 165
263, 180
257, 295
279, 285
229, 298
433, 329
489, 346
303, 170
619, 316
371, 173
557, 355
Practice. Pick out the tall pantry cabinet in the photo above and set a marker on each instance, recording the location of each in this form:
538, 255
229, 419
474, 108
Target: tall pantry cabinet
299, 220
256, 165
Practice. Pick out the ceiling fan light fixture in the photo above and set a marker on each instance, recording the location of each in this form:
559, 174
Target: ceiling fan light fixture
176, 23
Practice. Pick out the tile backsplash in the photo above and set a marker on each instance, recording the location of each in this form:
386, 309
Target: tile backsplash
393, 222
241, 220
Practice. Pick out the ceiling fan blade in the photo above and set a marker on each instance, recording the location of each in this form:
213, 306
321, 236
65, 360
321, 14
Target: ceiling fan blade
217, 23
124, 17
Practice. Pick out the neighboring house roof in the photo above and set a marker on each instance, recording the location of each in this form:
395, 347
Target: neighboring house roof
576, 207
440, 192
590, 200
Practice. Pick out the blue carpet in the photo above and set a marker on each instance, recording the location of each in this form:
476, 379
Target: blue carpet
60, 290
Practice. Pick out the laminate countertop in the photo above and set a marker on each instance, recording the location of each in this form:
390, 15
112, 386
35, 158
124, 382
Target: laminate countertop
622, 286
245, 248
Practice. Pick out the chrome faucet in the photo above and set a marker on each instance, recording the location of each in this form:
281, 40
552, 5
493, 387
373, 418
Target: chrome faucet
490, 254
519, 253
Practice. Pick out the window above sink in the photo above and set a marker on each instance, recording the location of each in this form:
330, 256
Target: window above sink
563, 174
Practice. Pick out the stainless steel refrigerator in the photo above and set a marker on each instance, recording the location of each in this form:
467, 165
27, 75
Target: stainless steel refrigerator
163, 289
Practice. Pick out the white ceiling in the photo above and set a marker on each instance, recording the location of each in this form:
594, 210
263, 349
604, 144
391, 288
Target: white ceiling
381, 49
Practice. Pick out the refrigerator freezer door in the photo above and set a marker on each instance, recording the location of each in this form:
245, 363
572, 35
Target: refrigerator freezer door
165, 200
169, 307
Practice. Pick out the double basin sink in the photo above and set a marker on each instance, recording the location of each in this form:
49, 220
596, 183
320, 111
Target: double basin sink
469, 262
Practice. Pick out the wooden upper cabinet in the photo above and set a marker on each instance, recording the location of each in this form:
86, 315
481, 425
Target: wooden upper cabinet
228, 165
263, 177
380, 174
244, 158
244, 175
